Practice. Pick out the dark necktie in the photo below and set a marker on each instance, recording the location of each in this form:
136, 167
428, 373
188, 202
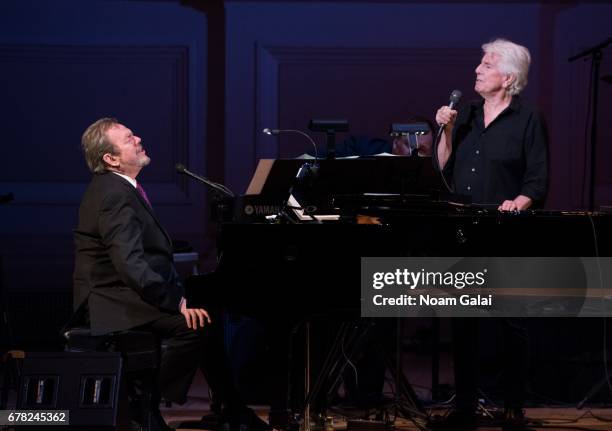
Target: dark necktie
143, 194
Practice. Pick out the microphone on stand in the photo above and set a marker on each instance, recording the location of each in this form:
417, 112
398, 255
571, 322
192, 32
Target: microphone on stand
455, 97
219, 188
269, 131
308, 172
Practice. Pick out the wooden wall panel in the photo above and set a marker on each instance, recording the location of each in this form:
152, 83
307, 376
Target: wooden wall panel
371, 87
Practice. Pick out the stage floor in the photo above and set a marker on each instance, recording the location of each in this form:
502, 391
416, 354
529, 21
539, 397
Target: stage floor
544, 418
548, 418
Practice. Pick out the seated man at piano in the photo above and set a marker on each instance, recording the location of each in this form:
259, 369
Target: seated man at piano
363, 145
124, 275
494, 151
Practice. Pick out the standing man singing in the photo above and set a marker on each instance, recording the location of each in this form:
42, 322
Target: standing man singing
494, 151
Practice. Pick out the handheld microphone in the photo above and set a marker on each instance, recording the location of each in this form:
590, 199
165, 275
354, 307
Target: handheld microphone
219, 188
455, 97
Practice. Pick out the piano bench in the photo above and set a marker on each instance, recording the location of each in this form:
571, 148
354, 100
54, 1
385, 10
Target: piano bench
140, 350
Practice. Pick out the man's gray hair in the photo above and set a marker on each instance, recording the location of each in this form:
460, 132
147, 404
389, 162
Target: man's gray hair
95, 144
514, 60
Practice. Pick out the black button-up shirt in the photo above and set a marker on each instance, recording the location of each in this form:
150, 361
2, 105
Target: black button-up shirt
506, 159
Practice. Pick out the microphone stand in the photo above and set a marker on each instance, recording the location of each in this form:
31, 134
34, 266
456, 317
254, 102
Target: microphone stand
596, 56
222, 196
220, 189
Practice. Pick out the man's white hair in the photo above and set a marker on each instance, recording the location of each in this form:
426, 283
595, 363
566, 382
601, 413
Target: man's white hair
514, 60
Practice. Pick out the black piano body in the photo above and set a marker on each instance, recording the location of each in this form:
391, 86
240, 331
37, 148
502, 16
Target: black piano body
311, 268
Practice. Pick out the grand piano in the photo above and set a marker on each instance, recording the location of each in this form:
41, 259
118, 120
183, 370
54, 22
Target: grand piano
283, 268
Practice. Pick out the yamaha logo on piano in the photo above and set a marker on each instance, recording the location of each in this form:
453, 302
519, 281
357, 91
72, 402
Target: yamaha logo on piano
261, 209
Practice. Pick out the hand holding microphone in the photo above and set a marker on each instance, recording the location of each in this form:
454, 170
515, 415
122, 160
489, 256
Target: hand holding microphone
446, 116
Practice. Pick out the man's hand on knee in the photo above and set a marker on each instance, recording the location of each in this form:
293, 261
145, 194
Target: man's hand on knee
195, 317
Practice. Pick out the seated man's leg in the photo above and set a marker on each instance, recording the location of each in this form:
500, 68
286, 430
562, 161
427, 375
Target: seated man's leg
189, 349
215, 364
181, 358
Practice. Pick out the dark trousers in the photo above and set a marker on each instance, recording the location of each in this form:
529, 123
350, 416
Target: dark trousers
515, 360
188, 350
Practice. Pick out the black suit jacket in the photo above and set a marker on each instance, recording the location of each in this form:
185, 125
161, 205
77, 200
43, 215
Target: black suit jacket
123, 268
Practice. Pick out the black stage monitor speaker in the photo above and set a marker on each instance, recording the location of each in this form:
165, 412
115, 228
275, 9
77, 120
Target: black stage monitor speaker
86, 384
